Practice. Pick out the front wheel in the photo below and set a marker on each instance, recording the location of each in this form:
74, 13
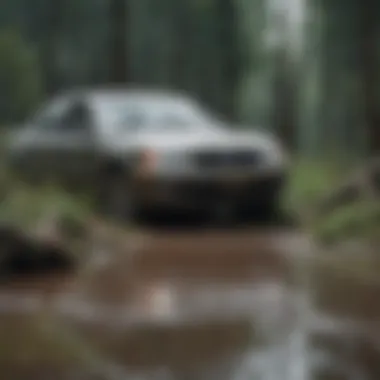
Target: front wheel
263, 204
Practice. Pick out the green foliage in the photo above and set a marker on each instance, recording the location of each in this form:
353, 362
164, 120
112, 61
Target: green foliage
24, 205
200, 47
309, 183
355, 221
20, 80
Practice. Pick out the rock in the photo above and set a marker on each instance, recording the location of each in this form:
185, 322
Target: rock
24, 255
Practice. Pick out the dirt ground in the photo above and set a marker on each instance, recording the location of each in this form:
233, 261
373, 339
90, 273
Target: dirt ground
152, 300
183, 304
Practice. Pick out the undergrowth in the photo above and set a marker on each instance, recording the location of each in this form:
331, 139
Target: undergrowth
309, 182
24, 205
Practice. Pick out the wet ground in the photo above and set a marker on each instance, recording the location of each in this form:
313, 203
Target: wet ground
212, 304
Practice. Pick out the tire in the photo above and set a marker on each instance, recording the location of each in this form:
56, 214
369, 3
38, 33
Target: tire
270, 209
265, 204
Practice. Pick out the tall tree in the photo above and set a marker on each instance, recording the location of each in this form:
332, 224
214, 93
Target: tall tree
369, 65
183, 22
254, 86
229, 36
119, 41
50, 48
286, 75
285, 89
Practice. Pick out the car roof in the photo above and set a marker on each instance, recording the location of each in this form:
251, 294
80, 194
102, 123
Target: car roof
121, 92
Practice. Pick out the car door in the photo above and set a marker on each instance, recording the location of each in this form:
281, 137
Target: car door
30, 146
71, 144
62, 145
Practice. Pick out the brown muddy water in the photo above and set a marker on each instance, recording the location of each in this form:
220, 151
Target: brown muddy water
234, 305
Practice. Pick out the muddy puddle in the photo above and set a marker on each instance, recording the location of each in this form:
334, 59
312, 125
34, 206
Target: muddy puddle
231, 305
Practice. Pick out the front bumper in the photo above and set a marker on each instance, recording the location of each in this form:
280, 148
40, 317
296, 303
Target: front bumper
201, 193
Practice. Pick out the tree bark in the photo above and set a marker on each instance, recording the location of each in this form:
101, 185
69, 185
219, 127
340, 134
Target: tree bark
230, 57
369, 72
50, 48
118, 41
182, 20
285, 99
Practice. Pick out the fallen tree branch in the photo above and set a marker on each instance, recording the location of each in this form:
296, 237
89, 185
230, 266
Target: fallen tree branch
364, 183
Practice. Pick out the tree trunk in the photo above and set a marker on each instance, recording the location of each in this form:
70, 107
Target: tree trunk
285, 99
230, 57
182, 20
369, 69
118, 44
50, 48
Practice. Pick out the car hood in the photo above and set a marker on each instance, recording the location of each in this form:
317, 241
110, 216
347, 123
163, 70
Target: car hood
201, 139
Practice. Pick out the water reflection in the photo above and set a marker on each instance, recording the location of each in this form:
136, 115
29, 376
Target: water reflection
252, 329
173, 327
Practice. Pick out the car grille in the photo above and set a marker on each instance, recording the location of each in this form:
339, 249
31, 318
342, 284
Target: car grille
226, 160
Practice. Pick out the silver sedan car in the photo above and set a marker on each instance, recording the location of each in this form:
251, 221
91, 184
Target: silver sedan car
141, 151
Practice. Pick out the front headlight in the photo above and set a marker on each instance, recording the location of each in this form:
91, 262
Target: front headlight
152, 162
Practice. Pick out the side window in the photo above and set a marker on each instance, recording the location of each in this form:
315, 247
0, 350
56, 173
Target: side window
171, 120
49, 115
76, 118
133, 120
64, 115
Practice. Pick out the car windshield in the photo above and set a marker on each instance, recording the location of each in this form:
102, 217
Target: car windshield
135, 115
